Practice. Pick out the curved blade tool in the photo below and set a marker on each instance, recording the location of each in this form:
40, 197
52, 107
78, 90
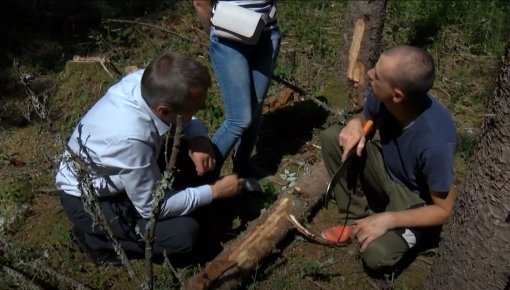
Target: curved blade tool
343, 167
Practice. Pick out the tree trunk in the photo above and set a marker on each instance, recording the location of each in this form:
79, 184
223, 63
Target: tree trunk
364, 21
249, 250
475, 253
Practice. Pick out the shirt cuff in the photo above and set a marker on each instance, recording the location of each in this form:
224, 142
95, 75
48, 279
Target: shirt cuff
204, 194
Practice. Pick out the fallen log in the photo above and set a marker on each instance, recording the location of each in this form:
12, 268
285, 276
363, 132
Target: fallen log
243, 255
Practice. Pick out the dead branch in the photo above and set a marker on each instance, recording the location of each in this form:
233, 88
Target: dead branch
91, 205
158, 195
424, 260
19, 277
248, 251
310, 235
320, 285
154, 27
100, 60
27, 263
36, 101
373, 284
47, 190
305, 93
168, 264
64, 281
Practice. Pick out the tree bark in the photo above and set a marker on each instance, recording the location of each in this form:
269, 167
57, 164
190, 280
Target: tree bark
362, 43
250, 249
475, 253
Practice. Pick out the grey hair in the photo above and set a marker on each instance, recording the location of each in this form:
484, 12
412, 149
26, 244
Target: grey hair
167, 80
415, 70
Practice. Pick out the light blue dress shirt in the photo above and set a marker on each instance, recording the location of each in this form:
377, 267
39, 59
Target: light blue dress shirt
120, 138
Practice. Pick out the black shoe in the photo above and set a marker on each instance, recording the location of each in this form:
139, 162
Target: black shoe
250, 170
250, 184
99, 257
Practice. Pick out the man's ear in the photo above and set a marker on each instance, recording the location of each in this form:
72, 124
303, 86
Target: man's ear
398, 96
163, 110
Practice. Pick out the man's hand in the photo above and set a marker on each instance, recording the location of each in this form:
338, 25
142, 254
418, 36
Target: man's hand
350, 136
368, 229
227, 186
202, 154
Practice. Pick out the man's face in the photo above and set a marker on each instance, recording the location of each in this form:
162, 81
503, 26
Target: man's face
379, 80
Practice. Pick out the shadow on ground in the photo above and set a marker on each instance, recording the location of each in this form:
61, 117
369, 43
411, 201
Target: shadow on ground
286, 130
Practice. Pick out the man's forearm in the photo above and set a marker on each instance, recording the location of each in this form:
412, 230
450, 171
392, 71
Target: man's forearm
185, 201
434, 214
427, 216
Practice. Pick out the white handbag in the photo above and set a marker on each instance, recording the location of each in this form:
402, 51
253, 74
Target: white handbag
236, 23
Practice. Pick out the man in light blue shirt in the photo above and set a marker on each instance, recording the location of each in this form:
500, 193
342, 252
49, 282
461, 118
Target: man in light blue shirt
120, 139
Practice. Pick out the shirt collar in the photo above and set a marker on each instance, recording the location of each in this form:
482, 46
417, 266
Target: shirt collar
160, 125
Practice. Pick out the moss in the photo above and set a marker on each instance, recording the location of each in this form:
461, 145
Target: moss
81, 84
336, 94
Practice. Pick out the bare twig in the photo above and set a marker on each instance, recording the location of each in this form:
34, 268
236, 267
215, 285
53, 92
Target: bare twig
424, 260
372, 283
310, 235
320, 285
48, 191
305, 93
154, 27
20, 278
100, 60
26, 263
36, 101
91, 205
168, 264
158, 195
65, 281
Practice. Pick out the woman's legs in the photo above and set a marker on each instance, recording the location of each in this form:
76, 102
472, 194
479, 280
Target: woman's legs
232, 71
244, 73
262, 63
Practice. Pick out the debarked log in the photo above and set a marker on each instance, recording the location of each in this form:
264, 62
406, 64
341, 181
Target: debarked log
248, 251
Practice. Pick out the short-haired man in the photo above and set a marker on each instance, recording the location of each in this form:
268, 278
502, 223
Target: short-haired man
121, 139
407, 180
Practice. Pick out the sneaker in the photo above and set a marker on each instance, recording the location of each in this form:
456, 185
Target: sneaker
98, 257
337, 234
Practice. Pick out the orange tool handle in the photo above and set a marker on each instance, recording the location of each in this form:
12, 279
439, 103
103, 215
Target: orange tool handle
368, 125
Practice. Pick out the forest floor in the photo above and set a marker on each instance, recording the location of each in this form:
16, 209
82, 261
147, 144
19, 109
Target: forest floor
36, 228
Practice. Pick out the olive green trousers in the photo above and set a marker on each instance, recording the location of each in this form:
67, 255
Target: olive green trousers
379, 193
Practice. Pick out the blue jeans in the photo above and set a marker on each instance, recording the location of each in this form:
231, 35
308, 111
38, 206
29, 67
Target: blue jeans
244, 73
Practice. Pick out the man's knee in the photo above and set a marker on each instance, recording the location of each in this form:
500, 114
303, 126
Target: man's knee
379, 256
238, 124
177, 235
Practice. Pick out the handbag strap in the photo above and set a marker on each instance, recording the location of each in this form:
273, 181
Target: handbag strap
269, 17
